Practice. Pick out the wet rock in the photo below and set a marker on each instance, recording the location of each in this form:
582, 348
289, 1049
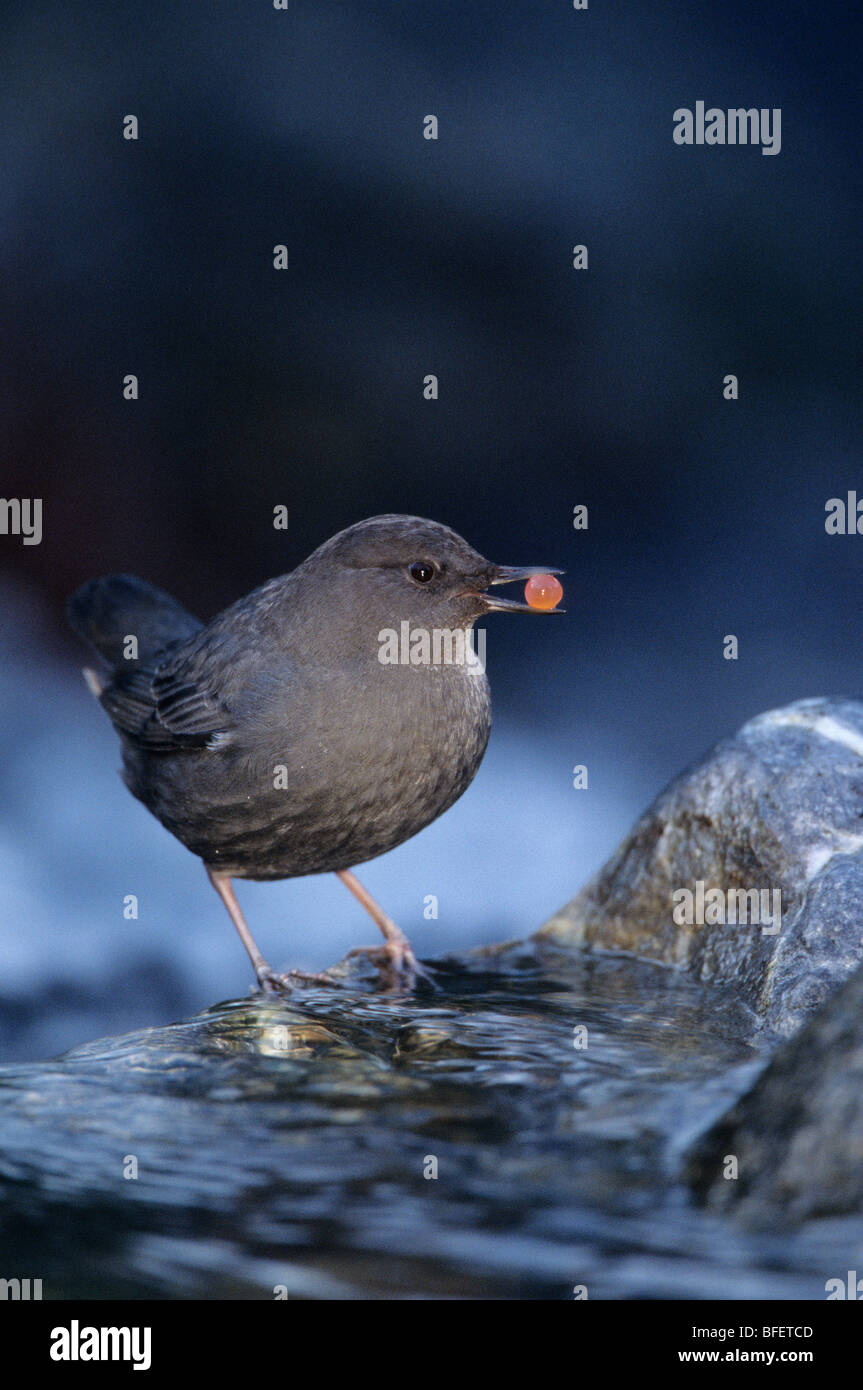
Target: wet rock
778, 809
505, 1136
797, 1135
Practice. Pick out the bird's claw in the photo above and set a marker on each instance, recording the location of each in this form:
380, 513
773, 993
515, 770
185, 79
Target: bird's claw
311, 977
271, 982
396, 962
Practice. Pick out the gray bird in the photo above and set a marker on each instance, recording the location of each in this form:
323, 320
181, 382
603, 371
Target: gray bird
306, 728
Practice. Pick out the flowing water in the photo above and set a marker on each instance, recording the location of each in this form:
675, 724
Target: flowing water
467, 1142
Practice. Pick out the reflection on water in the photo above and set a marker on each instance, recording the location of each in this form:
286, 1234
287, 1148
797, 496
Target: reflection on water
295, 1144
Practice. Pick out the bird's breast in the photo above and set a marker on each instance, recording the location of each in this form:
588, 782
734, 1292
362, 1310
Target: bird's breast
335, 770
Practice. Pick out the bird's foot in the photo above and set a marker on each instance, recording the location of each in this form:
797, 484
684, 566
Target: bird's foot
396, 962
311, 977
397, 966
271, 982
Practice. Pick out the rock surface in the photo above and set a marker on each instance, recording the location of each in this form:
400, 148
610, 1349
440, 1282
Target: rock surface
797, 1134
779, 807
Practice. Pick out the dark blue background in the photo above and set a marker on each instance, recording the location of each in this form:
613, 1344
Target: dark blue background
305, 388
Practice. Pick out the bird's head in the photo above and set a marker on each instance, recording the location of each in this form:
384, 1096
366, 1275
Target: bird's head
392, 569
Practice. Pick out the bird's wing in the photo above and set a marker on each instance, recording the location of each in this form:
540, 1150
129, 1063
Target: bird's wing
173, 705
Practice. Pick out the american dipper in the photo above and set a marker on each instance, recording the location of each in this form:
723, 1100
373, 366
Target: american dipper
297, 733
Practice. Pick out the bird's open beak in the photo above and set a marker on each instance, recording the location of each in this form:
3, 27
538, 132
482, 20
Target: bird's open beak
511, 574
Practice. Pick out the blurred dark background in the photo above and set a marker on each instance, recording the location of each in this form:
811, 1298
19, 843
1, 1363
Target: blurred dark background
304, 388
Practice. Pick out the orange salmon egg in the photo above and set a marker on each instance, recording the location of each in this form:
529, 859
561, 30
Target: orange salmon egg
543, 591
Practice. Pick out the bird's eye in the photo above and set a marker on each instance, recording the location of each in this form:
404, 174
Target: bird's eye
421, 572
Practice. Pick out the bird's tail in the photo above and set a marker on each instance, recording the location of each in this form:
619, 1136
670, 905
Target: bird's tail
108, 612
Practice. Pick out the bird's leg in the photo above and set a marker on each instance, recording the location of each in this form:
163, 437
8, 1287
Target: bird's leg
267, 977
270, 981
395, 957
